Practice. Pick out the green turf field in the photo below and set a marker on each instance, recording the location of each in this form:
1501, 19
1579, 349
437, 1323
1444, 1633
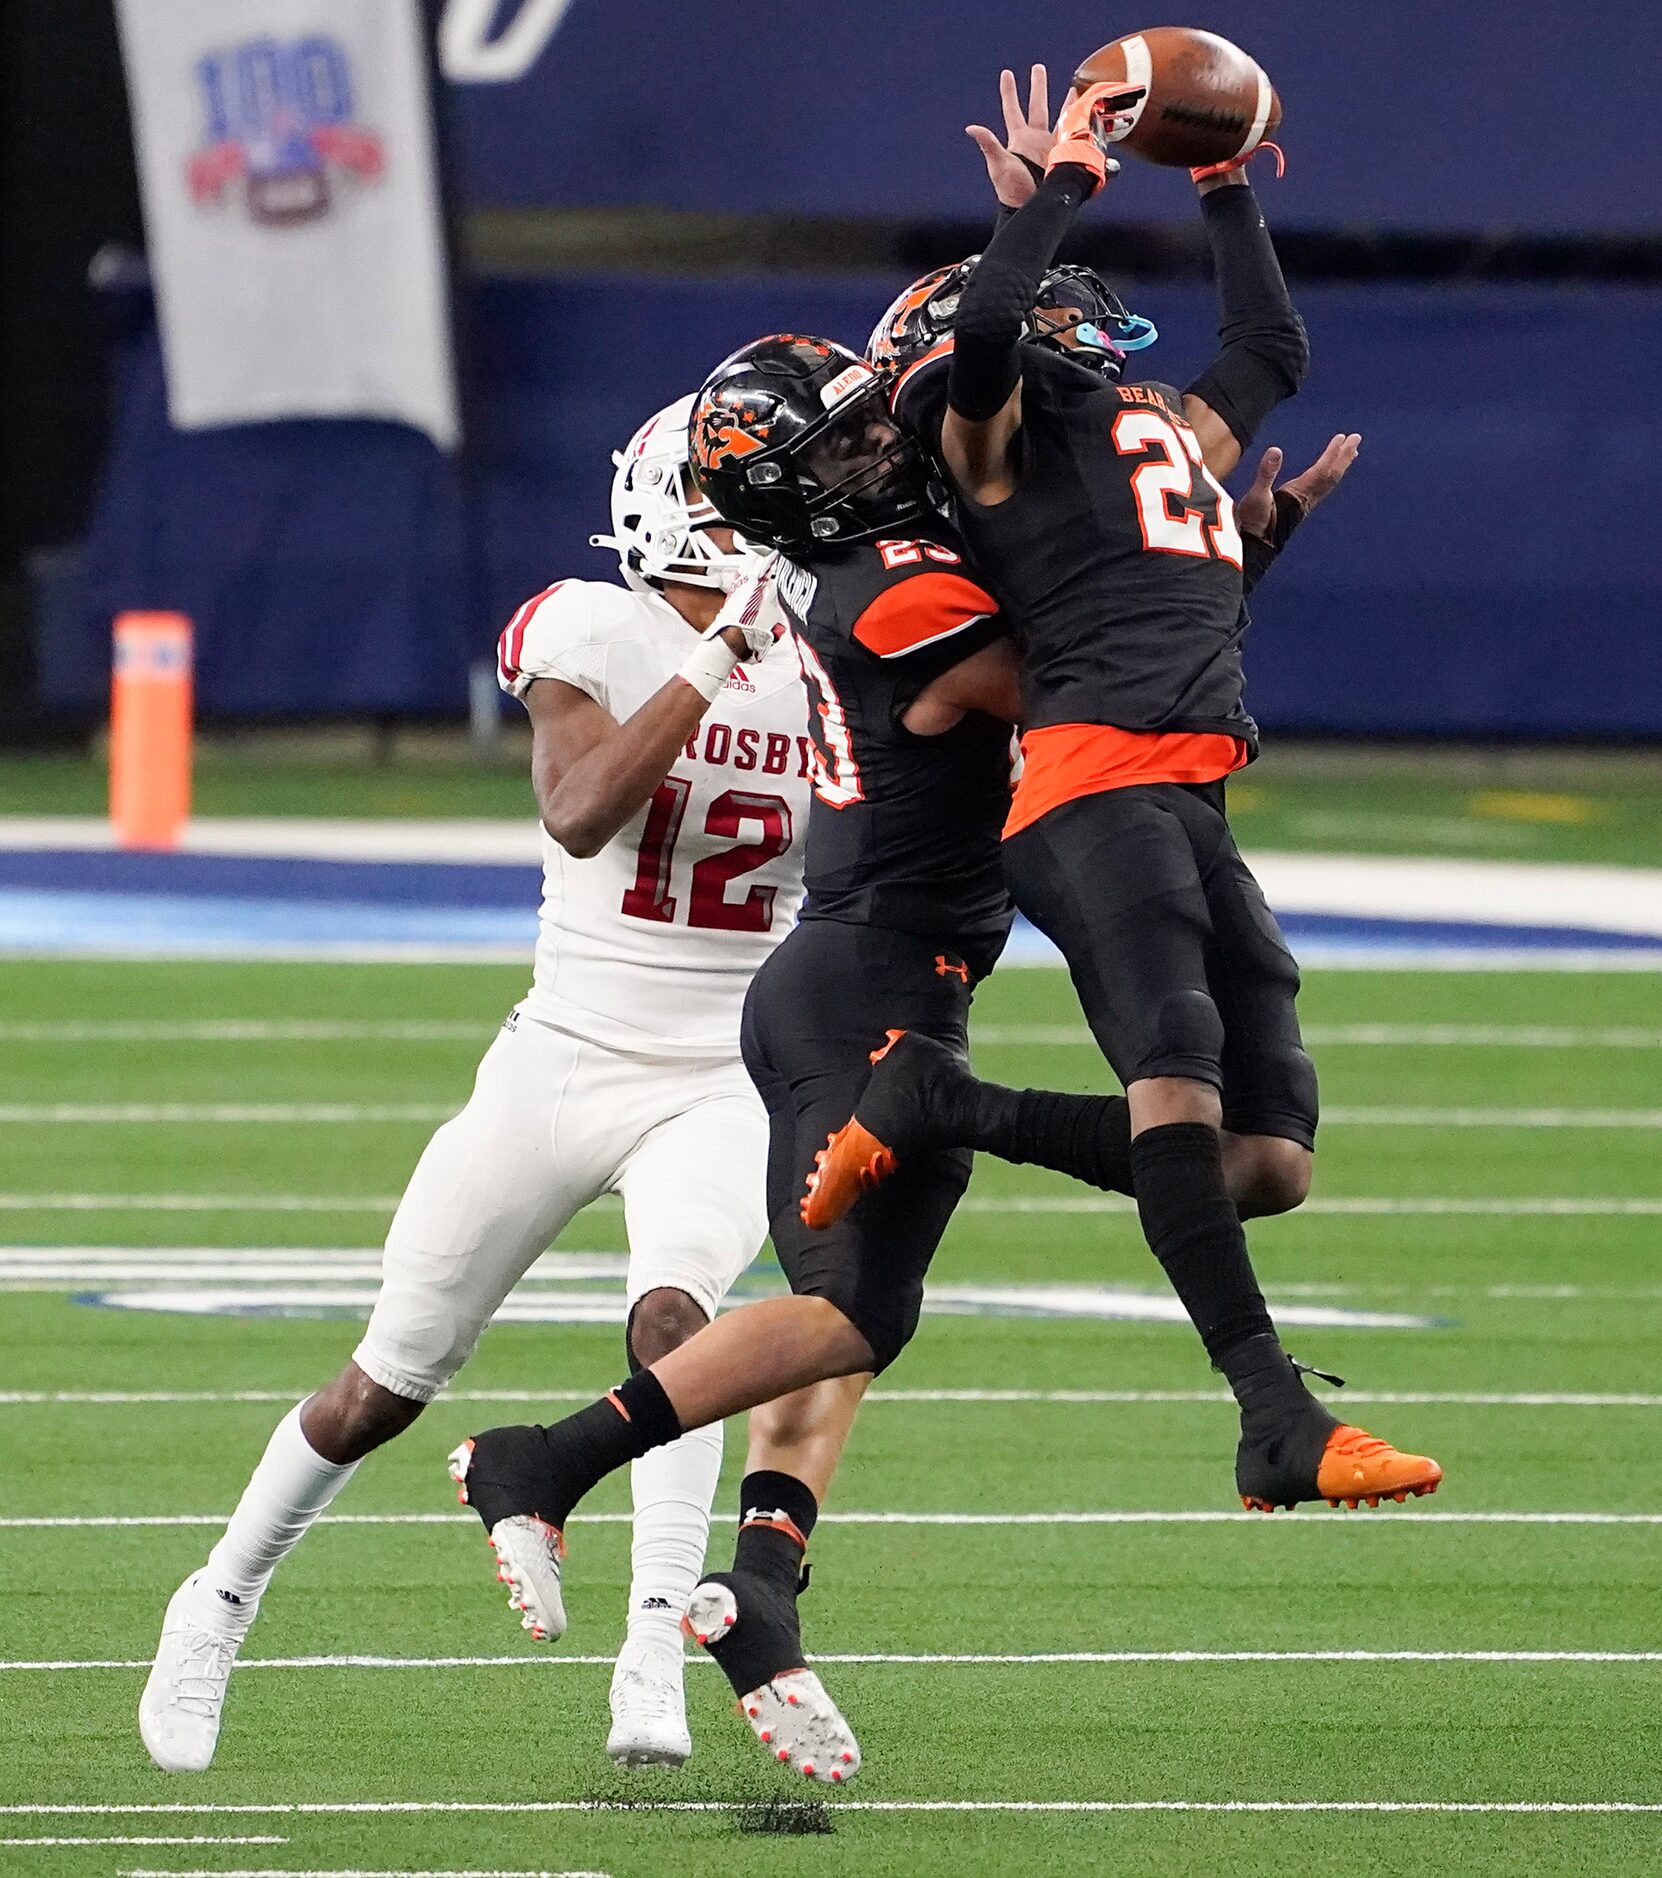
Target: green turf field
1450, 1136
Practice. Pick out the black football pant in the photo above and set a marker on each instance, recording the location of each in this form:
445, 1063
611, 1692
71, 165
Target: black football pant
816, 1011
1179, 965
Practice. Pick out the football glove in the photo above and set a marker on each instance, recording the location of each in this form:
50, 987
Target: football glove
751, 611
1084, 131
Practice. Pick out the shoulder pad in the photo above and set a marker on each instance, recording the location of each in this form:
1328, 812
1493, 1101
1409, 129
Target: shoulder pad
558, 622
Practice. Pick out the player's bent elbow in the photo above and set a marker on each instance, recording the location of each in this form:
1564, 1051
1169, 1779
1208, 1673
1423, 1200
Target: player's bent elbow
580, 846
577, 833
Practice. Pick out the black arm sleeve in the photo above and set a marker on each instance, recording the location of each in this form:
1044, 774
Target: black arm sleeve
987, 330
1258, 552
1265, 352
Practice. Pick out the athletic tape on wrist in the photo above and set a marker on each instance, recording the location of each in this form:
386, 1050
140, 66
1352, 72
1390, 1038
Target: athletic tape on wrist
708, 667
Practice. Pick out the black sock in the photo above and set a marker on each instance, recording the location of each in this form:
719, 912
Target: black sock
1085, 1136
776, 1520
1267, 1386
578, 1452
770, 1506
1193, 1229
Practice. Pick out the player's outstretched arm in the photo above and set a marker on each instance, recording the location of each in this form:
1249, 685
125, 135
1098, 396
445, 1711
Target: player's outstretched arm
1268, 515
1265, 352
984, 382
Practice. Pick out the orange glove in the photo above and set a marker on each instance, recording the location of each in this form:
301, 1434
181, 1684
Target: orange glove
1085, 129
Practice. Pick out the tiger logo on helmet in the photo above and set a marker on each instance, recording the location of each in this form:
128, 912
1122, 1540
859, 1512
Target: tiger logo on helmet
729, 431
919, 318
794, 445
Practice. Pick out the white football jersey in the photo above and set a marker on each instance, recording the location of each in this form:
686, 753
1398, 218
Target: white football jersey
650, 945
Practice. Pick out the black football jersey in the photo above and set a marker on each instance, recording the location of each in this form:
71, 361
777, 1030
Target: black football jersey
904, 830
1117, 559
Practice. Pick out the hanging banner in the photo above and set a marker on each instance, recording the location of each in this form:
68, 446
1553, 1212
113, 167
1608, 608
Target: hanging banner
289, 174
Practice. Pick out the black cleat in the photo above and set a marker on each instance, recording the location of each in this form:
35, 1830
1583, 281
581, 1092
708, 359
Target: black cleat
1276, 1464
750, 1627
1332, 1461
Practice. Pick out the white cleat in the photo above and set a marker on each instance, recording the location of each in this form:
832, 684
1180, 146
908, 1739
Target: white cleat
183, 1700
528, 1553
795, 1719
793, 1716
649, 1707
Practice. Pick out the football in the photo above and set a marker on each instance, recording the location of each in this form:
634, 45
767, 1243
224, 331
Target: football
1205, 100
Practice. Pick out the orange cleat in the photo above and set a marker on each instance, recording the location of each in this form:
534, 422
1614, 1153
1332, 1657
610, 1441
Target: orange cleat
1356, 1468
851, 1163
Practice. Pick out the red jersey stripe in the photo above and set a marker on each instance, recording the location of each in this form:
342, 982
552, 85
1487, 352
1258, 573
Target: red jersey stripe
512, 642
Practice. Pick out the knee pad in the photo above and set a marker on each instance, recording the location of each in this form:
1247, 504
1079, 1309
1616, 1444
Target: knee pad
1187, 1027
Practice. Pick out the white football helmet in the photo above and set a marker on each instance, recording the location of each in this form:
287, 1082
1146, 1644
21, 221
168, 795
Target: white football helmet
660, 521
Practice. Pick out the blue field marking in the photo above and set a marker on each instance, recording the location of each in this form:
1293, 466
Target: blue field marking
101, 903
270, 878
159, 925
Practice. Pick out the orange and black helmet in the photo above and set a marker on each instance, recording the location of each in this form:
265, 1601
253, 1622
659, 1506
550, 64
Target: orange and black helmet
1071, 300
792, 442
919, 318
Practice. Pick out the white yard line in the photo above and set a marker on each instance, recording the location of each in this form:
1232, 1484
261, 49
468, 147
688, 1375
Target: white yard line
1324, 1517
312, 1808
924, 1659
337, 1114
126, 1114
1491, 1118
346, 1113
472, 841
1592, 1206
256, 1030
1131, 1398
204, 1203
1372, 1036
322, 1871
996, 1036
1356, 1206
231, 1265
145, 1838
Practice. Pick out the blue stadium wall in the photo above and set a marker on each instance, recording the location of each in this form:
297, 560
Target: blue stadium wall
1486, 114
1491, 568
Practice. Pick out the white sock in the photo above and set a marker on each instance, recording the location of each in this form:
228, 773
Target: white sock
673, 1487
291, 1486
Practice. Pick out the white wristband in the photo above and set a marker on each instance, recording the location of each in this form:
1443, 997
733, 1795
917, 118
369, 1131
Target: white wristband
708, 666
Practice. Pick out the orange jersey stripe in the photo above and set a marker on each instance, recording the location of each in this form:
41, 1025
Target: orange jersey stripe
918, 611
1063, 762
